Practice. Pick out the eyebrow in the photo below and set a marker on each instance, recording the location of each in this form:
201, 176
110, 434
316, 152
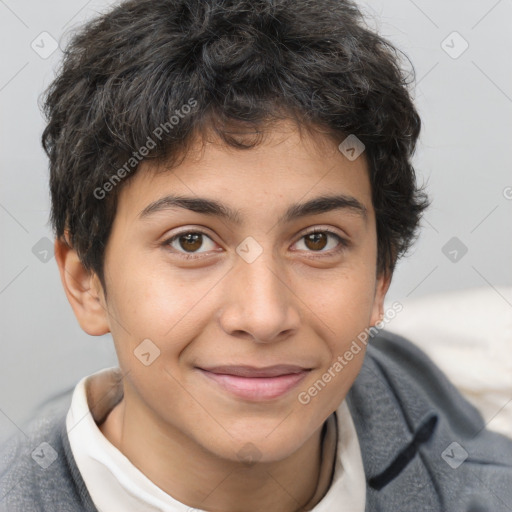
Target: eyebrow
322, 204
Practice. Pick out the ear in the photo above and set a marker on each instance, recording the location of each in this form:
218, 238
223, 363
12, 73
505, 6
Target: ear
381, 288
83, 290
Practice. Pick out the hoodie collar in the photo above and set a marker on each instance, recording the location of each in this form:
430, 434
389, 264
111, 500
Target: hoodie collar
392, 425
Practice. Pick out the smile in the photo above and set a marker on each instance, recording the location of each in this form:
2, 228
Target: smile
257, 385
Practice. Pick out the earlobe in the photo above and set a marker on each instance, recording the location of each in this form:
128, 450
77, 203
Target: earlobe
83, 290
381, 288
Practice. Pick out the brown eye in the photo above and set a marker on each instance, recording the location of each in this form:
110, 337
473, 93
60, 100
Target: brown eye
316, 241
319, 240
189, 242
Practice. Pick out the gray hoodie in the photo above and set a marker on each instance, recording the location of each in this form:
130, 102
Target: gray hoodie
424, 447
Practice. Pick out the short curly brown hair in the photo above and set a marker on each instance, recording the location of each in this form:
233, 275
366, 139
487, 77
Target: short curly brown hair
244, 63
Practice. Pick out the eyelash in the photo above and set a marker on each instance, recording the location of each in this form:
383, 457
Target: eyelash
343, 243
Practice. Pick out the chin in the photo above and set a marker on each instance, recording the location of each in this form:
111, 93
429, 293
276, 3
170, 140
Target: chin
264, 446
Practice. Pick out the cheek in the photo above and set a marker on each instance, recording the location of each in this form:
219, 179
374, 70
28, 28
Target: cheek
346, 309
348, 321
156, 305
345, 301
149, 298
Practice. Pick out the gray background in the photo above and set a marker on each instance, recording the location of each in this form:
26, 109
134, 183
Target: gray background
464, 157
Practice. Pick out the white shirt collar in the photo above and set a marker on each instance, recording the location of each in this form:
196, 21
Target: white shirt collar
114, 483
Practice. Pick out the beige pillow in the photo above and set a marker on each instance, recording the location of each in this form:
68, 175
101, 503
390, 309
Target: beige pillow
468, 334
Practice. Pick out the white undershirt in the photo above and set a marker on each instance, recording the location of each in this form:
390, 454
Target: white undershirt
114, 483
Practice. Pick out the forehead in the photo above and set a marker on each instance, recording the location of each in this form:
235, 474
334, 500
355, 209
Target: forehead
285, 169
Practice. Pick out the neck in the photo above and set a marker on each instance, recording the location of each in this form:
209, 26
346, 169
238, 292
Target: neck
192, 475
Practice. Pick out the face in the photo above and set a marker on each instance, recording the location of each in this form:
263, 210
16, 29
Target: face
259, 289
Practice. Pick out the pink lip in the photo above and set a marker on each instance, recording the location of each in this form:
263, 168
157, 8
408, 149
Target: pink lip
256, 384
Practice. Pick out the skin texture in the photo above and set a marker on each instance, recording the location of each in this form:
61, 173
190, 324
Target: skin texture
286, 307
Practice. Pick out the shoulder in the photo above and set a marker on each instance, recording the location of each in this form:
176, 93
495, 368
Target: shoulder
413, 378
36, 472
405, 365
402, 391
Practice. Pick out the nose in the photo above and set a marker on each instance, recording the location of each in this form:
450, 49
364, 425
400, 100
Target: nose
259, 303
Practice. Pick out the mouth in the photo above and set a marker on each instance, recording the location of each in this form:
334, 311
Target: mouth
256, 384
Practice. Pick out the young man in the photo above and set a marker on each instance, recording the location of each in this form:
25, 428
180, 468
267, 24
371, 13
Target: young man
231, 189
